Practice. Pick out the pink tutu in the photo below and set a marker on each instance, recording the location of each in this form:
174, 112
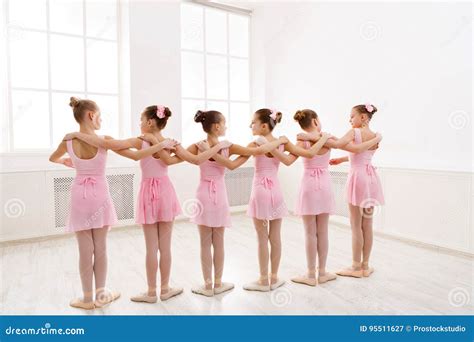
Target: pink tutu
315, 195
212, 203
157, 200
363, 187
266, 199
91, 205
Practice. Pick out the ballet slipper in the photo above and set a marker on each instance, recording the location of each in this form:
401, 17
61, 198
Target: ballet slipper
171, 293
350, 272
223, 288
326, 277
256, 286
277, 284
106, 298
80, 304
144, 298
367, 271
203, 291
304, 280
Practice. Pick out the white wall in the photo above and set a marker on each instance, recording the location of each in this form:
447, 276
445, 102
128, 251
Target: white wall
413, 61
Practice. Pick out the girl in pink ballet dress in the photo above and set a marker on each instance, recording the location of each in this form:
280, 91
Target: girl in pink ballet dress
92, 211
363, 191
213, 213
315, 199
266, 205
157, 203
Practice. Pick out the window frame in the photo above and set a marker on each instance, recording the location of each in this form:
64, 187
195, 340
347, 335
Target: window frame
204, 53
85, 93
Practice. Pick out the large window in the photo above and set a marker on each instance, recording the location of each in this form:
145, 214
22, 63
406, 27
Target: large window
57, 49
214, 69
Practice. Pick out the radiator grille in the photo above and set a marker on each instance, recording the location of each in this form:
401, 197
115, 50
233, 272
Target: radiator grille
338, 179
121, 191
239, 185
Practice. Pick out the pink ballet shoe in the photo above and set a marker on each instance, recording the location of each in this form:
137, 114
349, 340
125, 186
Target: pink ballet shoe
106, 298
350, 272
326, 277
80, 304
144, 298
171, 293
223, 288
367, 271
201, 290
305, 280
256, 286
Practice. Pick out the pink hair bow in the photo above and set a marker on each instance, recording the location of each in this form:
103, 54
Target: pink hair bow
160, 112
369, 107
273, 115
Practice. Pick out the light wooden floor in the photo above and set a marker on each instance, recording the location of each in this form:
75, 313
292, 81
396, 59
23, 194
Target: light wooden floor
41, 277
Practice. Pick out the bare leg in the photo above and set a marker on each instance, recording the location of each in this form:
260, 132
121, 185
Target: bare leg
99, 236
262, 284
205, 234
311, 240
357, 244
218, 245
150, 232
367, 229
275, 244
322, 222
86, 266
165, 230
261, 227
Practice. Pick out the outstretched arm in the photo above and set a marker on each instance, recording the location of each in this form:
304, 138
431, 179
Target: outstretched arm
309, 153
109, 143
253, 150
356, 148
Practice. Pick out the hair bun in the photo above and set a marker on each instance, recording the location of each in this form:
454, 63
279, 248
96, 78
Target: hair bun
299, 115
374, 110
74, 101
167, 112
200, 116
279, 115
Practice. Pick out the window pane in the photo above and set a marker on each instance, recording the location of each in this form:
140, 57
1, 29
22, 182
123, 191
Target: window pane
30, 119
192, 131
67, 63
25, 70
238, 35
239, 79
63, 118
66, 16
27, 13
238, 128
220, 106
217, 77
101, 19
102, 66
192, 74
191, 27
109, 114
216, 31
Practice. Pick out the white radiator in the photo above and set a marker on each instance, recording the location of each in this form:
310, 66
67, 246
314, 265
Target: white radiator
121, 191
239, 185
338, 180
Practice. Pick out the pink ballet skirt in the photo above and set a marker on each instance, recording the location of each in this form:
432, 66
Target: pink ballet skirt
266, 199
91, 205
157, 200
363, 187
212, 203
315, 195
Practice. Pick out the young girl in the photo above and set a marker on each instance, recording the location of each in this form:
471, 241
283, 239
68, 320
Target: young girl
364, 191
91, 209
157, 204
266, 205
316, 200
211, 194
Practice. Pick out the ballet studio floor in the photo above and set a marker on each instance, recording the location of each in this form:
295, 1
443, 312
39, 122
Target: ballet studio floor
40, 277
